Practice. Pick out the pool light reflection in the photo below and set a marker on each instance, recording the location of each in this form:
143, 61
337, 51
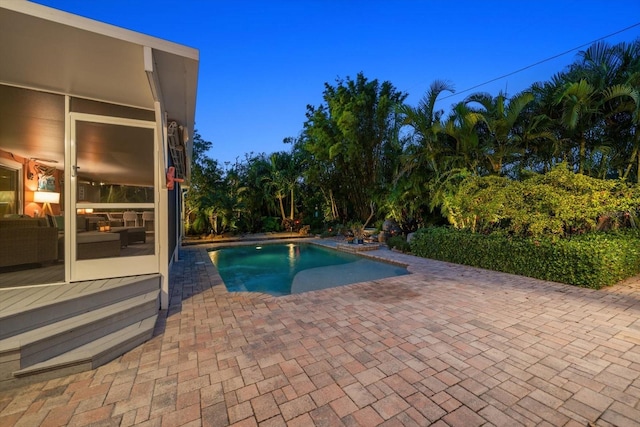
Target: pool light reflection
292, 256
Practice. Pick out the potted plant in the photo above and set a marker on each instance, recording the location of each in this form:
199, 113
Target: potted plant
345, 231
358, 231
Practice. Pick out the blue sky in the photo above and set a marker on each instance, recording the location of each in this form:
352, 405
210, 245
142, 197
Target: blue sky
262, 62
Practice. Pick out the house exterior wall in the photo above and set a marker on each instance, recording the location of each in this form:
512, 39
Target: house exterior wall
103, 73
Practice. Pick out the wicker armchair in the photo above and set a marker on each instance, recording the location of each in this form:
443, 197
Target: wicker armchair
27, 241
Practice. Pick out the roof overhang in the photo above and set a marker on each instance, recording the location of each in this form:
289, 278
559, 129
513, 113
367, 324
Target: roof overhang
55, 51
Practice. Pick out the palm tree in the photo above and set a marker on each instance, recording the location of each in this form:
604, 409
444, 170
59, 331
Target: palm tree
590, 107
464, 149
500, 117
258, 199
542, 117
277, 183
426, 125
580, 110
628, 101
283, 179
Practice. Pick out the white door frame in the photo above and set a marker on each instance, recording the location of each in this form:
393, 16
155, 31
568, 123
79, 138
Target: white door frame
106, 267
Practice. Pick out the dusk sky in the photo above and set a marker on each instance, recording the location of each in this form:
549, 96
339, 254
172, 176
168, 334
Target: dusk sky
262, 62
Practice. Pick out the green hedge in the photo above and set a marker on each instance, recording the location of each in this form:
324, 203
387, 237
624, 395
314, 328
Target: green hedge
399, 242
591, 260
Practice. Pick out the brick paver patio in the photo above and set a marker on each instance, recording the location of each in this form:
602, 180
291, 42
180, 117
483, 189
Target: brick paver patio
445, 346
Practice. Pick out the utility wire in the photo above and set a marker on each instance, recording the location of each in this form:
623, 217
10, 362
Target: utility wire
541, 62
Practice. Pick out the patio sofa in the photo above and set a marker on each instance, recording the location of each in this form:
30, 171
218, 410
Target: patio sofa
130, 234
27, 241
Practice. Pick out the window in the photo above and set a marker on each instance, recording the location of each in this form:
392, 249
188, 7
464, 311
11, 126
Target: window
9, 189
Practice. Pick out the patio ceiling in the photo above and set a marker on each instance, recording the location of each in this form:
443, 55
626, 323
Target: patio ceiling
53, 51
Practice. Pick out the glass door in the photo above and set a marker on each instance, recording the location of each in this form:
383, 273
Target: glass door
113, 178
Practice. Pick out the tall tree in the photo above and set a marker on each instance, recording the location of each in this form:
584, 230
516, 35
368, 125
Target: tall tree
422, 160
282, 178
426, 125
580, 103
350, 138
206, 179
257, 198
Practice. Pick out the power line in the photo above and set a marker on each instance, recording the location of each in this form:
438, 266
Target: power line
540, 62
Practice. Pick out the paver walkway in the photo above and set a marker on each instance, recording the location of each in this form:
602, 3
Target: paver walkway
448, 345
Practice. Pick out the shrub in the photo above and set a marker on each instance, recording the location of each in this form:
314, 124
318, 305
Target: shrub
591, 260
198, 226
399, 243
271, 224
560, 203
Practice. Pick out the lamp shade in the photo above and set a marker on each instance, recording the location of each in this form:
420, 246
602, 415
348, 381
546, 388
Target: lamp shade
46, 197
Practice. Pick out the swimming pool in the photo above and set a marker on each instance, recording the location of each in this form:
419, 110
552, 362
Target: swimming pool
283, 269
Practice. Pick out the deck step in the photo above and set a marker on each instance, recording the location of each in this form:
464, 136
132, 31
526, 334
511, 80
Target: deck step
93, 354
74, 327
57, 338
43, 312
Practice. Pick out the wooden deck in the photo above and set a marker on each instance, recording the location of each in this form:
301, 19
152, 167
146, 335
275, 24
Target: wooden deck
53, 273
15, 300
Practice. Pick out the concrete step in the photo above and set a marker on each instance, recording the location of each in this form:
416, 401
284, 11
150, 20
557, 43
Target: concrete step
89, 356
19, 319
59, 337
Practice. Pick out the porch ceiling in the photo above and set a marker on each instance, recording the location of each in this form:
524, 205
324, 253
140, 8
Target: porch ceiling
54, 51
47, 55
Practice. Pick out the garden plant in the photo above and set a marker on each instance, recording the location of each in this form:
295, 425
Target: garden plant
543, 182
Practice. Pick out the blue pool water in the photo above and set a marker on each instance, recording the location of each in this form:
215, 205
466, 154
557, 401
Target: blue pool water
283, 269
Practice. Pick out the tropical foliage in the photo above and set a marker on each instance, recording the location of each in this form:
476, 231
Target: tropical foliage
352, 145
559, 159
559, 204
